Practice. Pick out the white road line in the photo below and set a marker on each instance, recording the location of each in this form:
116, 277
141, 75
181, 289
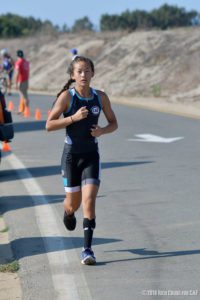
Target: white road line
64, 283
148, 137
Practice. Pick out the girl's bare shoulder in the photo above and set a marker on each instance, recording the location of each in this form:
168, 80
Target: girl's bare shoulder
103, 97
64, 96
64, 100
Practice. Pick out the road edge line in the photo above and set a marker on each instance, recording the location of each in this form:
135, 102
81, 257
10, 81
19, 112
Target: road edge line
64, 283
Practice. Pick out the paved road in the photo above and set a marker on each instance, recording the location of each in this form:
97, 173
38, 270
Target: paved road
147, 236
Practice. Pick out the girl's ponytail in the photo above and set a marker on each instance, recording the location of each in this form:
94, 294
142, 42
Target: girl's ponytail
65, 88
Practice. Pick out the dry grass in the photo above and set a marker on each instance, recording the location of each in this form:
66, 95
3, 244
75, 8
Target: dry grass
10, 267
4, 229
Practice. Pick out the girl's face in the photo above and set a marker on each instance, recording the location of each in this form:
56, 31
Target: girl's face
82, 73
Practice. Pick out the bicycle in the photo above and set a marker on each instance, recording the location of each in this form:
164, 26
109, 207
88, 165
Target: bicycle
3, 82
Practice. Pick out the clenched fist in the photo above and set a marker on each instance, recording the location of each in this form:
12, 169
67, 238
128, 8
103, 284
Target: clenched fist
96, 131
81, 114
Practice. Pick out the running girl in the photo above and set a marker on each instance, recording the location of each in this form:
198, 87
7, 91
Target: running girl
80, 163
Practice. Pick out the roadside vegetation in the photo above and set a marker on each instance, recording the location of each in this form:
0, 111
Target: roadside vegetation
12, 267
165, 17
4, 230
7, 265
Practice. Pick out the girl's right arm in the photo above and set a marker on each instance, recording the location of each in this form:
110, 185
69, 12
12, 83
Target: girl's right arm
61, 105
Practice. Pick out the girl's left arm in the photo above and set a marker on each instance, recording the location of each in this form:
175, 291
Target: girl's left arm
112, 125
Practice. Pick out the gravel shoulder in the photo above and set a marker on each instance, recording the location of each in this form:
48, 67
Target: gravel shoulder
10, 287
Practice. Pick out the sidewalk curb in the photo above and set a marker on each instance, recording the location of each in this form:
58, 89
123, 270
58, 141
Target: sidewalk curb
10, 286
6, 254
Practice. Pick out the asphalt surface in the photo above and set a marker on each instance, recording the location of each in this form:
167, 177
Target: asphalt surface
147, 237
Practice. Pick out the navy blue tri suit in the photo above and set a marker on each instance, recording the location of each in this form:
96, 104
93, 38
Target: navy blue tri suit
80, 160
7, 66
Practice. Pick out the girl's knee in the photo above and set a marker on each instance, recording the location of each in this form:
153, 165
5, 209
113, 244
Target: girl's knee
71, 206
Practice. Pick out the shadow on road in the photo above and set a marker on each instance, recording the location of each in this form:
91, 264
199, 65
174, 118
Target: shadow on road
10, 203
117, 164
29, 126
9, 175
150, 254
25, 247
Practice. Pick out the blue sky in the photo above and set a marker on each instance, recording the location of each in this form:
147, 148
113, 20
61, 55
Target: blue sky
64, 11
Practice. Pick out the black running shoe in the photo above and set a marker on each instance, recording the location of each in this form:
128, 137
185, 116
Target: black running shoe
69, 221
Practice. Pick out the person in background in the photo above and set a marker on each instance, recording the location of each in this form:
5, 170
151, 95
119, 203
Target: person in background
22, 77
74, 53
7, 66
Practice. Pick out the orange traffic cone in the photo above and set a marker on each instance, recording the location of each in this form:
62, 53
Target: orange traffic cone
10, 106
26, 112
37, 114
49, 111
6, 147
21, 106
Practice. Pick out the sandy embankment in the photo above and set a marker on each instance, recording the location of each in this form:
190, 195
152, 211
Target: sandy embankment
158, 104
158, 69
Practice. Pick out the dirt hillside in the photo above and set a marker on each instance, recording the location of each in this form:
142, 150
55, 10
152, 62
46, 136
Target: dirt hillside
144, 64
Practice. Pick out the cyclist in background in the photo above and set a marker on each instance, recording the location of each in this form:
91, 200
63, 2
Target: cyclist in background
7, 65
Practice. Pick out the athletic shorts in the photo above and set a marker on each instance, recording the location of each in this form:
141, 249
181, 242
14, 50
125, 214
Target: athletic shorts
10, 75
79, 169
23, 87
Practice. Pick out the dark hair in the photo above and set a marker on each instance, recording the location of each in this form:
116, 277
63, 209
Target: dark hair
20, 53
71, 69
